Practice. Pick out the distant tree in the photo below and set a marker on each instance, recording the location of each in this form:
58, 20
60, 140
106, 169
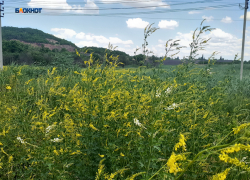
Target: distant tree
63, 50
55, 50
14, 46
44, 49
139, 59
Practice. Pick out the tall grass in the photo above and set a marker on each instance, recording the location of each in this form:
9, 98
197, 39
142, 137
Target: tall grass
104, 123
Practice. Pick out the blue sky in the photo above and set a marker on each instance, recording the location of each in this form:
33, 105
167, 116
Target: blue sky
95, 23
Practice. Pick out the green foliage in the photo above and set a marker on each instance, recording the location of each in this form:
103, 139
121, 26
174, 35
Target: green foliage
31, 35
94, 113
186, 122
14, 47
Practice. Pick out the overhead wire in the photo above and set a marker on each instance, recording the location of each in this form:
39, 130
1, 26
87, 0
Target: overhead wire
228, 5
218, 7
103, 2
176, 4
160, 11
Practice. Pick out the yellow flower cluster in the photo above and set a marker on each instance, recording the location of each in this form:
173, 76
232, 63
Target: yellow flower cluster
172, 163
224, 157
221, 176
238, 129
8, 87
100, 170
236, 148
181, 143
93, 127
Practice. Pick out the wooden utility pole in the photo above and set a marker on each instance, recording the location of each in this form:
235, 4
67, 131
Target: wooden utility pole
243, 38
1, 49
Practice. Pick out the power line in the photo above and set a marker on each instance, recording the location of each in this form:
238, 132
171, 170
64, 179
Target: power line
140, 17
119, 8
199, 2
161, 11
105, 2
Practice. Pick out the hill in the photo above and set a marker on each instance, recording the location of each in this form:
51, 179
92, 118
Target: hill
33, 46
32, 36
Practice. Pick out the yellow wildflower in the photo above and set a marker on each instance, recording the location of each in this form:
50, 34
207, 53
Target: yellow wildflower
135, 175
172, 163
77, 152
122, 154
8, 87
55, 151
181, 143
100, 170
221, 176
224, 157
78, 135
10, 159
101, 155
28, 81
1, 144
237, 130
236, 148
93, 127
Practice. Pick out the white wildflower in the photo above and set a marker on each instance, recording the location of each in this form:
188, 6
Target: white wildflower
56, 140
158, 94
49, 128
243, 159
136, 121
21, 140
168, 90
173, 106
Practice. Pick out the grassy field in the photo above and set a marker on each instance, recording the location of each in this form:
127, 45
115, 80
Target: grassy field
167, 123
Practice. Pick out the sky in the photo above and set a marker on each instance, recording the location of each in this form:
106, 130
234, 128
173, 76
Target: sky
122, 23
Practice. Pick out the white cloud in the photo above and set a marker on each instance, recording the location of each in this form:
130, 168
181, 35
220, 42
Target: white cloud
248, 16
220, 35
208, 18
62, 4
194, 12
161, 41
226, 20
63, 33
115, 40
89, 37
86, 43
101, 41
134, 3
164, 24
80, 35
136, 23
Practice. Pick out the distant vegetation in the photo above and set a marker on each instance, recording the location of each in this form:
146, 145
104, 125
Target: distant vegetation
19, 53
32, 36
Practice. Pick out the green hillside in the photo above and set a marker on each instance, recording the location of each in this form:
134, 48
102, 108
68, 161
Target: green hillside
17, 52
31, 35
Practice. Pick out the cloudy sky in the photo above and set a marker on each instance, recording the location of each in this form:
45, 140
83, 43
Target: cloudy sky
122, 23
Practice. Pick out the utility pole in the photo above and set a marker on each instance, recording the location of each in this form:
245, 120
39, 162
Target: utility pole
1, 49
243, 38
